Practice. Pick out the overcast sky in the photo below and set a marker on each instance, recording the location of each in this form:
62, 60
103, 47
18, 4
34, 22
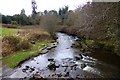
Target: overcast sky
11, 7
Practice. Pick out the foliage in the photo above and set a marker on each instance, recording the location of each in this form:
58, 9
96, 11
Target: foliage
6, 19
63, 13
50, 22
14, 22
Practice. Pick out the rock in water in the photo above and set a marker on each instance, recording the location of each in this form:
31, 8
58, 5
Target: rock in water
67, 74
32, 69
81, 56
52, 66
78, 57
27, 67
83, 66
37, 76
51, 59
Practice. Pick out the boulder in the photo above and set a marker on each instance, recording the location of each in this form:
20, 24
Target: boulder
52, 66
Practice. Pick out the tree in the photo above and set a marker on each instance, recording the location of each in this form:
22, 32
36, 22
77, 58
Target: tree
50, 22
63, 13
34, 7
22, 18
45, 12
6, 19
53, 12
22, 12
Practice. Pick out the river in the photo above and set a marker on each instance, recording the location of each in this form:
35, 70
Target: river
69, 63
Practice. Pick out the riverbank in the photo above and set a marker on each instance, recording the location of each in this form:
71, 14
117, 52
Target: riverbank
21, 44
87, 43
17, 58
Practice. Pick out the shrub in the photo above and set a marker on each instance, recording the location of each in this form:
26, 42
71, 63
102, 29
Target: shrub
11, 41
24, 45
14, 22
39, 37
34, 37
50, 22
6, 49
12, 44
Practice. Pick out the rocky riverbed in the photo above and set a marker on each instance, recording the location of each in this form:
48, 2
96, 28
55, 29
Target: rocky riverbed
62, 61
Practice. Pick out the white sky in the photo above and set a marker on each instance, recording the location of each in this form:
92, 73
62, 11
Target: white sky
11, 7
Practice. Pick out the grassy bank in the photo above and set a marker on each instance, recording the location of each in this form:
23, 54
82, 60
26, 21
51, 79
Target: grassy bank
22, 44
106, 45
14, 59
91, 45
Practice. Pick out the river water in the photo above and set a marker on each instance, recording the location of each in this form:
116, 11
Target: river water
70, 63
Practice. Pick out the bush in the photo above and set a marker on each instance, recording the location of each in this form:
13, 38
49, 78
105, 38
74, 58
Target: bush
10, 39
35, 37
6, 49
39, 37
24, 45
50, 22
12, 44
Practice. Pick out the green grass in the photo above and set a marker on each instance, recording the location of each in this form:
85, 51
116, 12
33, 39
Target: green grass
107, 45
89, 42
13, 60
8, 31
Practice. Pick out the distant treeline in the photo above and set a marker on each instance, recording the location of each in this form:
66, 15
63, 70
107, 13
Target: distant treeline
33, 19
17, 19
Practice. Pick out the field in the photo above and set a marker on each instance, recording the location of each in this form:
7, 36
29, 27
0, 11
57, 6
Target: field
8, 31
